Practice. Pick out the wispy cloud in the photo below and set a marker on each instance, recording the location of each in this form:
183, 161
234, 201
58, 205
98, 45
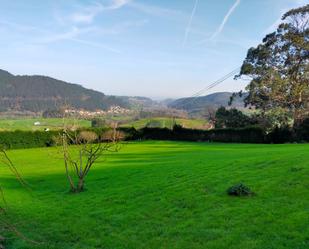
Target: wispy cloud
74, 36
87, 14
225, 19
188, 29
116, 4
43, 37
154, 10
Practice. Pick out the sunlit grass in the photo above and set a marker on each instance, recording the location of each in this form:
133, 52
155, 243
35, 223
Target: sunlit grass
165, 195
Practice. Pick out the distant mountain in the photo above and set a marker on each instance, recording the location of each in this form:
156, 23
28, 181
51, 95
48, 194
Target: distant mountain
39, 93
166, 102
137, 102
215, 100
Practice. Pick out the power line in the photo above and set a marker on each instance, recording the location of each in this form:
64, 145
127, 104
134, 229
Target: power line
212, 85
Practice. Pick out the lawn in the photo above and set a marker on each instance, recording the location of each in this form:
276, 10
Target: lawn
50, 123
168, 123
165, 195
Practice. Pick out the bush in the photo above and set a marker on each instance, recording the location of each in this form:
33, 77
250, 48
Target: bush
232, 118
98, 123
280, 135
239, 190
302, 130
27, 139
241, 135
244, 135
154, 124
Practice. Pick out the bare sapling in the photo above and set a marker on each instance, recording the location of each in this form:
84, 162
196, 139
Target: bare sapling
81, 149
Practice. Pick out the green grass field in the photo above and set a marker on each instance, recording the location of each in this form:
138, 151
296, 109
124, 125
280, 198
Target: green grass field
28, 123
57, 123
167, 123
165, 195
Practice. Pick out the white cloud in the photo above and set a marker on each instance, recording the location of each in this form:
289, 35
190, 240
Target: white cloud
116, 4
154, 10
87, 14
188, 29
73, 35
76, 32
225, 19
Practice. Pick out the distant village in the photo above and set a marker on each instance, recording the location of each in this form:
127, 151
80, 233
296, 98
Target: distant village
113, 110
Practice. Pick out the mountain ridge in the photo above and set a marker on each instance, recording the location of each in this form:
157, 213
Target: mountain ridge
37, 93
214, 100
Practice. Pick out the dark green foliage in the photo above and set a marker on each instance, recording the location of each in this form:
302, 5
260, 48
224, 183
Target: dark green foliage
32, 139
130, 133
98, 122
280, 135
279, 68
27, 139
243, 135
302, 130
232, 118
239, 190
177, 127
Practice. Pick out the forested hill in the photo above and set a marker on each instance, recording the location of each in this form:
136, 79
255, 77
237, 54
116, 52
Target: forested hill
39, 93
199, 104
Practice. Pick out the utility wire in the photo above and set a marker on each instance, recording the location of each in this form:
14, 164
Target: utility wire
210, 86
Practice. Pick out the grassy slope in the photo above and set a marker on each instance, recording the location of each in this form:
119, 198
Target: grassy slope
166, 195
28, 124
168, 123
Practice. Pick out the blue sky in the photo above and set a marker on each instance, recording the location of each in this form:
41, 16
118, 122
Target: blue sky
154, 48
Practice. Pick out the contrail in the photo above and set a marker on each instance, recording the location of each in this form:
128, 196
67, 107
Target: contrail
225, 19
188, 29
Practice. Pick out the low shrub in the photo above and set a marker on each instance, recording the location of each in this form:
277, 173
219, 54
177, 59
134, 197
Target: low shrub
280, 135
239, 190
302, 130
242, 135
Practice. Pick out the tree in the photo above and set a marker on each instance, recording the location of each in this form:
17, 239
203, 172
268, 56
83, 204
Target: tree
279, 68
232, 118
82, 149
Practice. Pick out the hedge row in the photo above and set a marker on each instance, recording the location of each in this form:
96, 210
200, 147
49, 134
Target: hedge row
246, 135
32, 139
29, 139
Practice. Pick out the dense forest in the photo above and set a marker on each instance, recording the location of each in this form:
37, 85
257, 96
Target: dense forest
38, 93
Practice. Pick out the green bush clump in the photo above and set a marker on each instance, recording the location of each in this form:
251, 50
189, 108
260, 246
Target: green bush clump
239, 190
